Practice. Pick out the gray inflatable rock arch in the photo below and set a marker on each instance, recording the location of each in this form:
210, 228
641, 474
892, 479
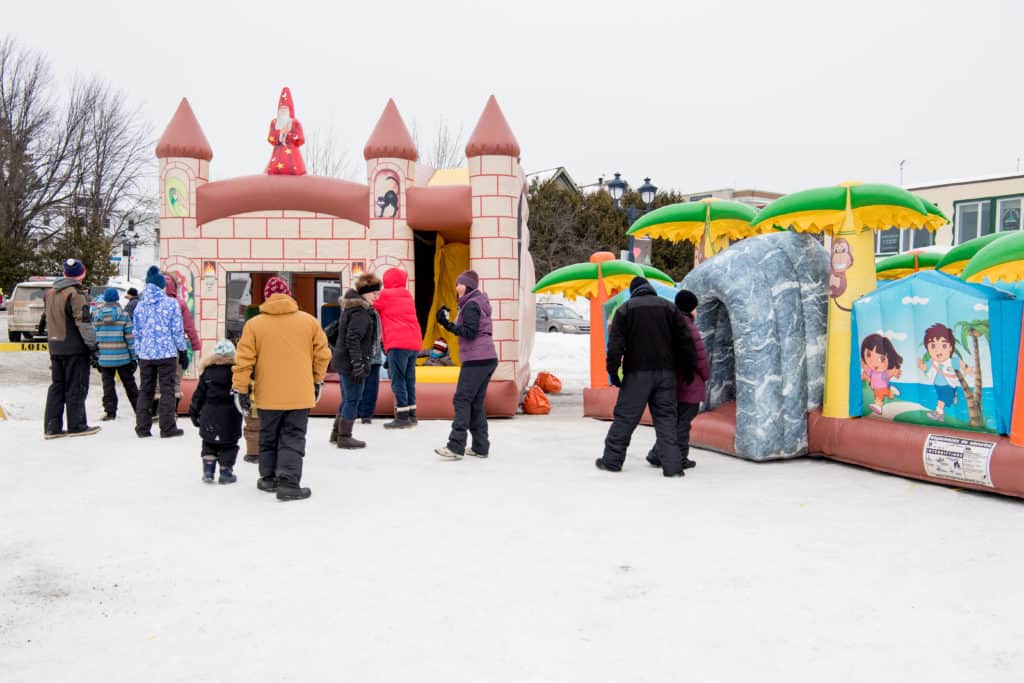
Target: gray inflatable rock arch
761, 313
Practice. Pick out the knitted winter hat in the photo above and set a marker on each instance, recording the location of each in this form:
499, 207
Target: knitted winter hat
686, 301
468, 278
155, 277
440, 346
74, 268
111, 295
276, 285
224, 348
636, 283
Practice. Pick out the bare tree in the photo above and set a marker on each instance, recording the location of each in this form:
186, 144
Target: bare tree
445, 150
40, 140
324, 157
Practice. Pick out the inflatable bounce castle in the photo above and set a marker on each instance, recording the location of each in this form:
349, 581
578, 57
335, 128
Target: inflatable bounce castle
222, 240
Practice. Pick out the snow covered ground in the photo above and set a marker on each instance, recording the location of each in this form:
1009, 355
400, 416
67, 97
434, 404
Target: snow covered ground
117, 564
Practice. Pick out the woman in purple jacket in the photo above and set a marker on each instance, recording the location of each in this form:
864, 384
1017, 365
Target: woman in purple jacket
479, 359
688, 394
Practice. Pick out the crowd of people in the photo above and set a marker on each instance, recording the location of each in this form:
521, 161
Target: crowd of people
655, 357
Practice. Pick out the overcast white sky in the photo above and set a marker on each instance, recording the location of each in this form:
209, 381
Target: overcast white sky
697, 94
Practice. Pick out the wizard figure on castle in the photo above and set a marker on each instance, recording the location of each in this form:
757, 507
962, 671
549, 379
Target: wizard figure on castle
286, 137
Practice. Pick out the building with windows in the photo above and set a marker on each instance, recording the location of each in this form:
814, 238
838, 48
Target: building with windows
976, 206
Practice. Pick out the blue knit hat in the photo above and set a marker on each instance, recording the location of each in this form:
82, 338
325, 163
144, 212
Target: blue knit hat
73, 268
224, 348
111, 295
155, 277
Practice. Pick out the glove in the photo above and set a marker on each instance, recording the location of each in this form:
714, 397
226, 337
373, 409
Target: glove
613, 377
94, 360
195, 420
243, 404
360, 370
133, 366
317, 388
442, 315
183, 359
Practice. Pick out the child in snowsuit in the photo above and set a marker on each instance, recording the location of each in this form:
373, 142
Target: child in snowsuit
117, 352
479, 360
689, 394
213, 412
437, 355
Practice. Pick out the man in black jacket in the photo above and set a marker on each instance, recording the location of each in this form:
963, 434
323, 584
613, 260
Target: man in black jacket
72, 340
648, 338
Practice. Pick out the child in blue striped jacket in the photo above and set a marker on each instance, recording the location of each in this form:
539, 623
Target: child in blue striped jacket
116, 352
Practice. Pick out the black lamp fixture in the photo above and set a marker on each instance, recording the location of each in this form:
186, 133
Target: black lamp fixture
617, 189
647, 192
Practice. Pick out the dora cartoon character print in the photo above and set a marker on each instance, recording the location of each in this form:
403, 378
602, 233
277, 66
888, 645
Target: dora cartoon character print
942, 368
879, 363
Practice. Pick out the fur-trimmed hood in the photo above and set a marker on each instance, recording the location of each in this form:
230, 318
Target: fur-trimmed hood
353, 299
215, 359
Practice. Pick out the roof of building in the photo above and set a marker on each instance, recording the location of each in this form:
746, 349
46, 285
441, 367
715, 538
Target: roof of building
390, 138
492, 134
967, 181
184, 137
558, 173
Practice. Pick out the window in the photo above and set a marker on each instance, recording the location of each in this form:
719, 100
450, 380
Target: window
916, 239
887, 242
972, 220
1008, 214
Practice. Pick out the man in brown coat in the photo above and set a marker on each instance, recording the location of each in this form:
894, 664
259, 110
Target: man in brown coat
287, 353
72, 341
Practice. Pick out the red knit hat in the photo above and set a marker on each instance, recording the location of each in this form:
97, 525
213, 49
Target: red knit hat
276, 285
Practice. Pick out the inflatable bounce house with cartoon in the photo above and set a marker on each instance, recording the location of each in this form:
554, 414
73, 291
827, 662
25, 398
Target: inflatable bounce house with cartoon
918, 377
222, 240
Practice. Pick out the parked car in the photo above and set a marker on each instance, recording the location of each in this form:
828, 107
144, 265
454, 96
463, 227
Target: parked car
559, 318
25, 309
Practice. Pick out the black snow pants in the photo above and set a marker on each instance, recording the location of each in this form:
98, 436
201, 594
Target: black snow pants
69, 386
283, 444
131, 389
642, 388
468, 402
149, 372
224, 453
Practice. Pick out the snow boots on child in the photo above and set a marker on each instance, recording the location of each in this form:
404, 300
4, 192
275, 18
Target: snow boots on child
209, 467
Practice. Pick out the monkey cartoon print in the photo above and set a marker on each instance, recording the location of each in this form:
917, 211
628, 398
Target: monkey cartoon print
841, 261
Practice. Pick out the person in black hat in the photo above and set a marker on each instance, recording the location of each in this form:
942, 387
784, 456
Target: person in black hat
72, 342
133, 301
650, 341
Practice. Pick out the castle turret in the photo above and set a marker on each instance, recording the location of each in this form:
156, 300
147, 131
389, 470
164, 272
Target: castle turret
390, 169
185, 155
496, 237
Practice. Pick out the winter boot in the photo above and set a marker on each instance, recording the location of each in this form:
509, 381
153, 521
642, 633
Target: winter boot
209, 466
334, 430
251, 458
84, 431
268, 484
108, 417
345, 439
412, 416
227, 476
401, 420
448, 453
366, 420
176, 431
601, 465
473, 454
289, 491
687, 463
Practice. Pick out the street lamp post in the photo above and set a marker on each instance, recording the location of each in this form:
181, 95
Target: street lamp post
131, 241
647, 191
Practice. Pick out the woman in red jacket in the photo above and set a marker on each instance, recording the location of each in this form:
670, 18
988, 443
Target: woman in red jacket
402, 340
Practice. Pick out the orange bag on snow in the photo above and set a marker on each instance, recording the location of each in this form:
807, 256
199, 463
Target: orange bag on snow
549, 383
536, 403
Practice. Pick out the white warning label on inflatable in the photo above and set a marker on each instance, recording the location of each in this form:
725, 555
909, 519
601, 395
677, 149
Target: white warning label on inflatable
950, 457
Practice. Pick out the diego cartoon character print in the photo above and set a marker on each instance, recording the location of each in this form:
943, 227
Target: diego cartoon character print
942, 368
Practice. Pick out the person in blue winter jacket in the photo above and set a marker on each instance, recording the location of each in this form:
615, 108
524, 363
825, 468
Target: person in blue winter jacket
116, 352
213, 412
160, 346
